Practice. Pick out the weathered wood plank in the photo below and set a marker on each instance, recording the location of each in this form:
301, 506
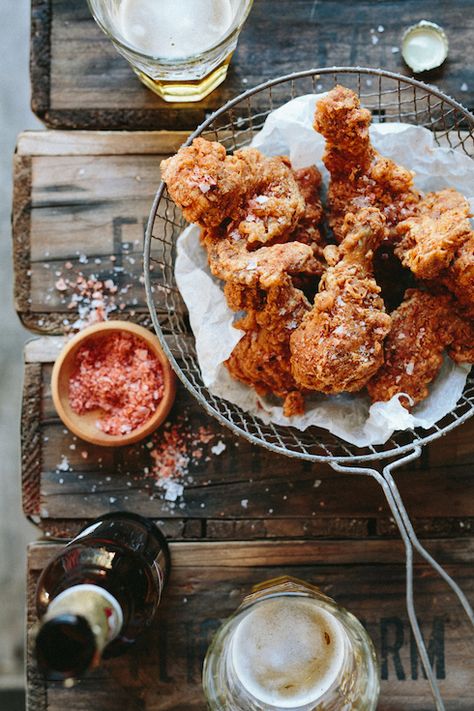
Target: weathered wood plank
243, 492
209, 581
80, 209
79, 81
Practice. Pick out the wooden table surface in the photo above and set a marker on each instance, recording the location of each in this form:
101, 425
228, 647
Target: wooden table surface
79, 81
81, 201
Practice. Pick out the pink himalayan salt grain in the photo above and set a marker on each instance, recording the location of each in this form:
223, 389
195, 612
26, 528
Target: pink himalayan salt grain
174, 449
119, 375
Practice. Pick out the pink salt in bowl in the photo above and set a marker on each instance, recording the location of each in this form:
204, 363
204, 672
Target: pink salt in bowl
85, 425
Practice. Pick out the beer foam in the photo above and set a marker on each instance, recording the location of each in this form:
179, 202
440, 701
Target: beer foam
287, 652
173, 28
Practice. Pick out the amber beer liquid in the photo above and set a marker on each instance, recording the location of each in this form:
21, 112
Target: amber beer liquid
290, 647
179, 48
98, 595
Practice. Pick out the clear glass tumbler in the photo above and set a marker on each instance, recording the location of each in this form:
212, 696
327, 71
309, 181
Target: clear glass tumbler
180, 49
289, 646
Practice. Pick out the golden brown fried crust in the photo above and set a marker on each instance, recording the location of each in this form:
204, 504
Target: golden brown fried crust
308, 228
459, 278
423, 326
262, 357
360, 176
438, 243
258, 196
431, 238
339, 345
230, 260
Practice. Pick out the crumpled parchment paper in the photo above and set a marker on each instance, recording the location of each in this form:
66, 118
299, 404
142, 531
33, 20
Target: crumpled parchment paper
288, 131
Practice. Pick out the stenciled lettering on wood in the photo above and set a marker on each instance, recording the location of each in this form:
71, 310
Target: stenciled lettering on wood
394, 635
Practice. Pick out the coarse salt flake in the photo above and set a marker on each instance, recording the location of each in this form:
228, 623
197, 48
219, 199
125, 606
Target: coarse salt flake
218, 448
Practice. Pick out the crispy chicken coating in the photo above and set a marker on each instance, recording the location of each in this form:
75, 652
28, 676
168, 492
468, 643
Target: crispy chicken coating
339, 345
257, 196
360, 176
438, 243
262, 357
230, 260
423, 327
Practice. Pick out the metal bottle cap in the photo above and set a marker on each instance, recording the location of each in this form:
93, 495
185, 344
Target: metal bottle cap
424, 46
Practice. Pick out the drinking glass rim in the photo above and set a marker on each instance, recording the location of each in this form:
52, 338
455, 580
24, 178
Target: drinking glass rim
234, 28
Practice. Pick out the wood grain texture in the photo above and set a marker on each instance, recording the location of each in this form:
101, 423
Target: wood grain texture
79, 81
209, 581
82, 200
242, 493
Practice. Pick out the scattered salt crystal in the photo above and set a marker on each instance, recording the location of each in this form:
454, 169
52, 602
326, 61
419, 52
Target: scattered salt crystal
84, 454
244, 503
61, 285
72, 446
218, 448
368, 82
245, 80
410, 368
374, 39
380, 28
317, 482
112, 499
83, 259
261, 199
204, 187
171, 488
395, 50
464, 87
63, 466
61, 481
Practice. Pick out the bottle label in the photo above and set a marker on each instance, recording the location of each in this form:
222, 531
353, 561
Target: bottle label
101, 610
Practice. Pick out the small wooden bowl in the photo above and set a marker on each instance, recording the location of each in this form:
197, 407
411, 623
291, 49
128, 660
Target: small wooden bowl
84, 425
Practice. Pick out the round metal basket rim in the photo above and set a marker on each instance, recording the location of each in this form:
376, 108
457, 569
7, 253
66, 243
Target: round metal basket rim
394, 452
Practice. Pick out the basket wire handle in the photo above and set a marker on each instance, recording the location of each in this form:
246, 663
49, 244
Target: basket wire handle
411, 541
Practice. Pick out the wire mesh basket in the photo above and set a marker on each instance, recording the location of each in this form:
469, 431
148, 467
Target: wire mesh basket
391, 98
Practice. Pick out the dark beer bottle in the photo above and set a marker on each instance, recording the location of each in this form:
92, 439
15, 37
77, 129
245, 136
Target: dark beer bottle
99, 593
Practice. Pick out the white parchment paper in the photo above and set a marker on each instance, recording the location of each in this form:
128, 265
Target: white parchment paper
288, 131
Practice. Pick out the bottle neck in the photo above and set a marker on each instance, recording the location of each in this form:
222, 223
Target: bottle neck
79, 623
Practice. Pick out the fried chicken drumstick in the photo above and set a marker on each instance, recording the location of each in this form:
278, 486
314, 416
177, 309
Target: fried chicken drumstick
339, 345
360, 176
423, 327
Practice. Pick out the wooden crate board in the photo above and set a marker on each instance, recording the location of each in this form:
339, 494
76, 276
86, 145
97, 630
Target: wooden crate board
81, 203
208, 582
79, 81
241, 492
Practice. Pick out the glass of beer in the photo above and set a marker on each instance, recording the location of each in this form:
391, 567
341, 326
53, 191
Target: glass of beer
289, 646
180, 49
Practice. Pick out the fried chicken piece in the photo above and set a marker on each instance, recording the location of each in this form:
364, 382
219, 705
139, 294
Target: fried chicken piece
258, 196
438, 243
423, 327
261, 358
339, 345
230, 260
308, 229
360, 176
